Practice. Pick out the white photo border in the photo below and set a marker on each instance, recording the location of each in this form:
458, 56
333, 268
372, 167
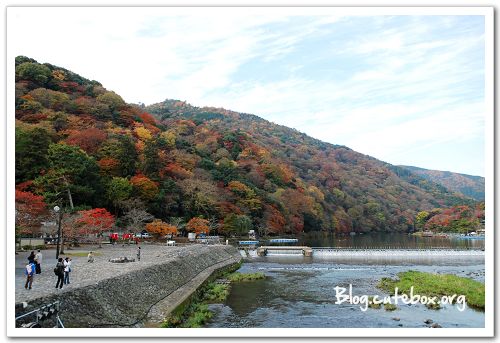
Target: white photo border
487, 331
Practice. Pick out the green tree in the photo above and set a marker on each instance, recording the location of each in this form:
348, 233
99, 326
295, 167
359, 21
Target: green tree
113, 100
31, 153
225, 171
49, 98
237, 224
23, 59
34, 72
118, 190
421, 219
122, 148
151, 163
73, 172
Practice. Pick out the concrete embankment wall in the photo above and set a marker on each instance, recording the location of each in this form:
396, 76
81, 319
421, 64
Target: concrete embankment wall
142, 296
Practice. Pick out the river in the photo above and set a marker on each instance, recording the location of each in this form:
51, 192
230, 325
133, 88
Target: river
392, 240
299, 291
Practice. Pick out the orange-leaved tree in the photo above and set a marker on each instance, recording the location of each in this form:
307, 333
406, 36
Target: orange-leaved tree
144, 187
198, 225
160, 228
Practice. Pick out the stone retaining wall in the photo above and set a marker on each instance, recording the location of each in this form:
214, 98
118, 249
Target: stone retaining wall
127, 300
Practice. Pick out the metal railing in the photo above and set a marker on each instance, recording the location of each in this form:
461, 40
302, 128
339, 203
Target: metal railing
41, 314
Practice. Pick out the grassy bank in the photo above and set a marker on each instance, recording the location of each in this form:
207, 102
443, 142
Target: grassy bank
436, 285
239, 277
195, 313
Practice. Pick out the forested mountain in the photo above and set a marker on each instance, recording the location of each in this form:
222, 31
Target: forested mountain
77, 141
469, 185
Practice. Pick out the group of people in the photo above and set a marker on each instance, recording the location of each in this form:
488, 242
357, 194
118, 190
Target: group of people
62, 270
34, 266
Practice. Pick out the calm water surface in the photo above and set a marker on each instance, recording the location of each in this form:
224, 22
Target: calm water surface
386, 240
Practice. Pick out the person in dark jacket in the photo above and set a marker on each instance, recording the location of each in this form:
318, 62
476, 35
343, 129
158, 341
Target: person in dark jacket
31, 257
60, 273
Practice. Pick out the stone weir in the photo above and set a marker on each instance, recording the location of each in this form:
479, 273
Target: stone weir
141, 297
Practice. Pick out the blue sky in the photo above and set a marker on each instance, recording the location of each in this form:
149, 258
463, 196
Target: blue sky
404, 89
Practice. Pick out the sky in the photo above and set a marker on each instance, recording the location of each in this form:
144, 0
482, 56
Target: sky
405, 89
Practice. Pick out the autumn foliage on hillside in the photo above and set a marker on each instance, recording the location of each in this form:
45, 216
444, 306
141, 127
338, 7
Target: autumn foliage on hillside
471, 186
461, 219
78, 142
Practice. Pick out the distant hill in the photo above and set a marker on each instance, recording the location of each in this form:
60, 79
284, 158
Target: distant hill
468, 185
177, 161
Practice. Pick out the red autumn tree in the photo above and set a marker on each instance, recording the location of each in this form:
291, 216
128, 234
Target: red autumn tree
88, 140
96, 221
273, 219
198, 225
226, 207
296, 224
109, 166
176, 171
30, 210
147, 118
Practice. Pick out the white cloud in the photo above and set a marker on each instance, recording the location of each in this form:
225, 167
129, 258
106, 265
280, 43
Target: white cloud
394, 90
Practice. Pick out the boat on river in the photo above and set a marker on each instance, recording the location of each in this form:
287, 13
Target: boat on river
283, 241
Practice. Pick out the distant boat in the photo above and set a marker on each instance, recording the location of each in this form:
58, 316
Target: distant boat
283, 240
352, 233
248, 242
427, 234
470, 237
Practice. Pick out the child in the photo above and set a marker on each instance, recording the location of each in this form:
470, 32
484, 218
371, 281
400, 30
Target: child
30, 274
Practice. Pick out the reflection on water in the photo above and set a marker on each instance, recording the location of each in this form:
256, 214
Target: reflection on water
388, 240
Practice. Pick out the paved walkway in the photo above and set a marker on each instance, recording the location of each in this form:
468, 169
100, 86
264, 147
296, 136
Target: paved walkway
84, 273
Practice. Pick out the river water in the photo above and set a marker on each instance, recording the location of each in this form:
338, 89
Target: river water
300, 291
391, 241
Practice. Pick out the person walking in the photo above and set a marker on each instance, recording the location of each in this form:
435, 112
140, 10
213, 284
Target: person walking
38, 260
138, 253
90, 257
67, 270
59, 271
31, 257
29, 271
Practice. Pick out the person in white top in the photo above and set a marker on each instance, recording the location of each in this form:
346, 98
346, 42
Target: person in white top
38, 261
67, 270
